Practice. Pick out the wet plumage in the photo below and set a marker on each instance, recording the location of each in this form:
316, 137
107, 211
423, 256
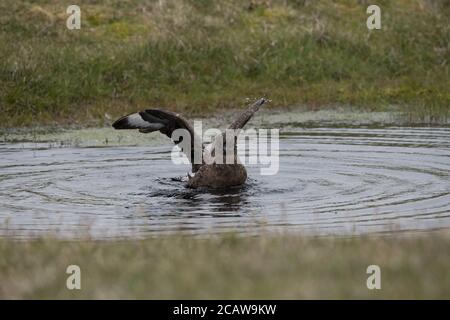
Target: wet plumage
205, 174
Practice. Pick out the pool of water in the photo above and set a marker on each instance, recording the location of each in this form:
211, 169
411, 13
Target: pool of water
333, 179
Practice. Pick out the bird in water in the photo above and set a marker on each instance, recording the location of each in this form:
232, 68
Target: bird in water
208, 172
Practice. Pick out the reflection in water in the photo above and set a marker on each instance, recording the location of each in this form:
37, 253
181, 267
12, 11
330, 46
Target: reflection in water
226, 201
332, 180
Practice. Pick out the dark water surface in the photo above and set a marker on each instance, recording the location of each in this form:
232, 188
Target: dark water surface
332, 180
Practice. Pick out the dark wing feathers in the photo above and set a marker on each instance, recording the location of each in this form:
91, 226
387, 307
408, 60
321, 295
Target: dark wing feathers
171, 121
165, 122
136, 121
147, 116
154, 120
245, 116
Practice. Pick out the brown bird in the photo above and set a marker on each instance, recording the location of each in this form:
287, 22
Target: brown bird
208, 173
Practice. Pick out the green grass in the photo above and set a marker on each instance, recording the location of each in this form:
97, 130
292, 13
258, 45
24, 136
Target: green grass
201, 55
225, 267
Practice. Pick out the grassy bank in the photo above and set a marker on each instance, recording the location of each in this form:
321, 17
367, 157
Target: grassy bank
200, 55
284, 266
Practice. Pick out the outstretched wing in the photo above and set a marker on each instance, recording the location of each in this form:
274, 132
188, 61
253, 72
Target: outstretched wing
245, 116
236, 125
163, 121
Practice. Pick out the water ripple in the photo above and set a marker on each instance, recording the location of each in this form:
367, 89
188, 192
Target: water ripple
332, 180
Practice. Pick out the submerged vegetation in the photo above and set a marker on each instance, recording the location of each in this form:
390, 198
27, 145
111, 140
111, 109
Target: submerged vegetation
228, 267
199, 55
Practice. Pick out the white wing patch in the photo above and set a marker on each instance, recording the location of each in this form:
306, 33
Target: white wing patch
135, 120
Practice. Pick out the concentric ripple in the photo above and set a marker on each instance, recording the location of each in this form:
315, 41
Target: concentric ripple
332, 180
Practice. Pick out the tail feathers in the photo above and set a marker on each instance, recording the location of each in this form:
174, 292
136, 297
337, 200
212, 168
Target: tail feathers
139, 121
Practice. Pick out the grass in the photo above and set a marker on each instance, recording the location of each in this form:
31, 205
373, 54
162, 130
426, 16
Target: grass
228, 267
201, 55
